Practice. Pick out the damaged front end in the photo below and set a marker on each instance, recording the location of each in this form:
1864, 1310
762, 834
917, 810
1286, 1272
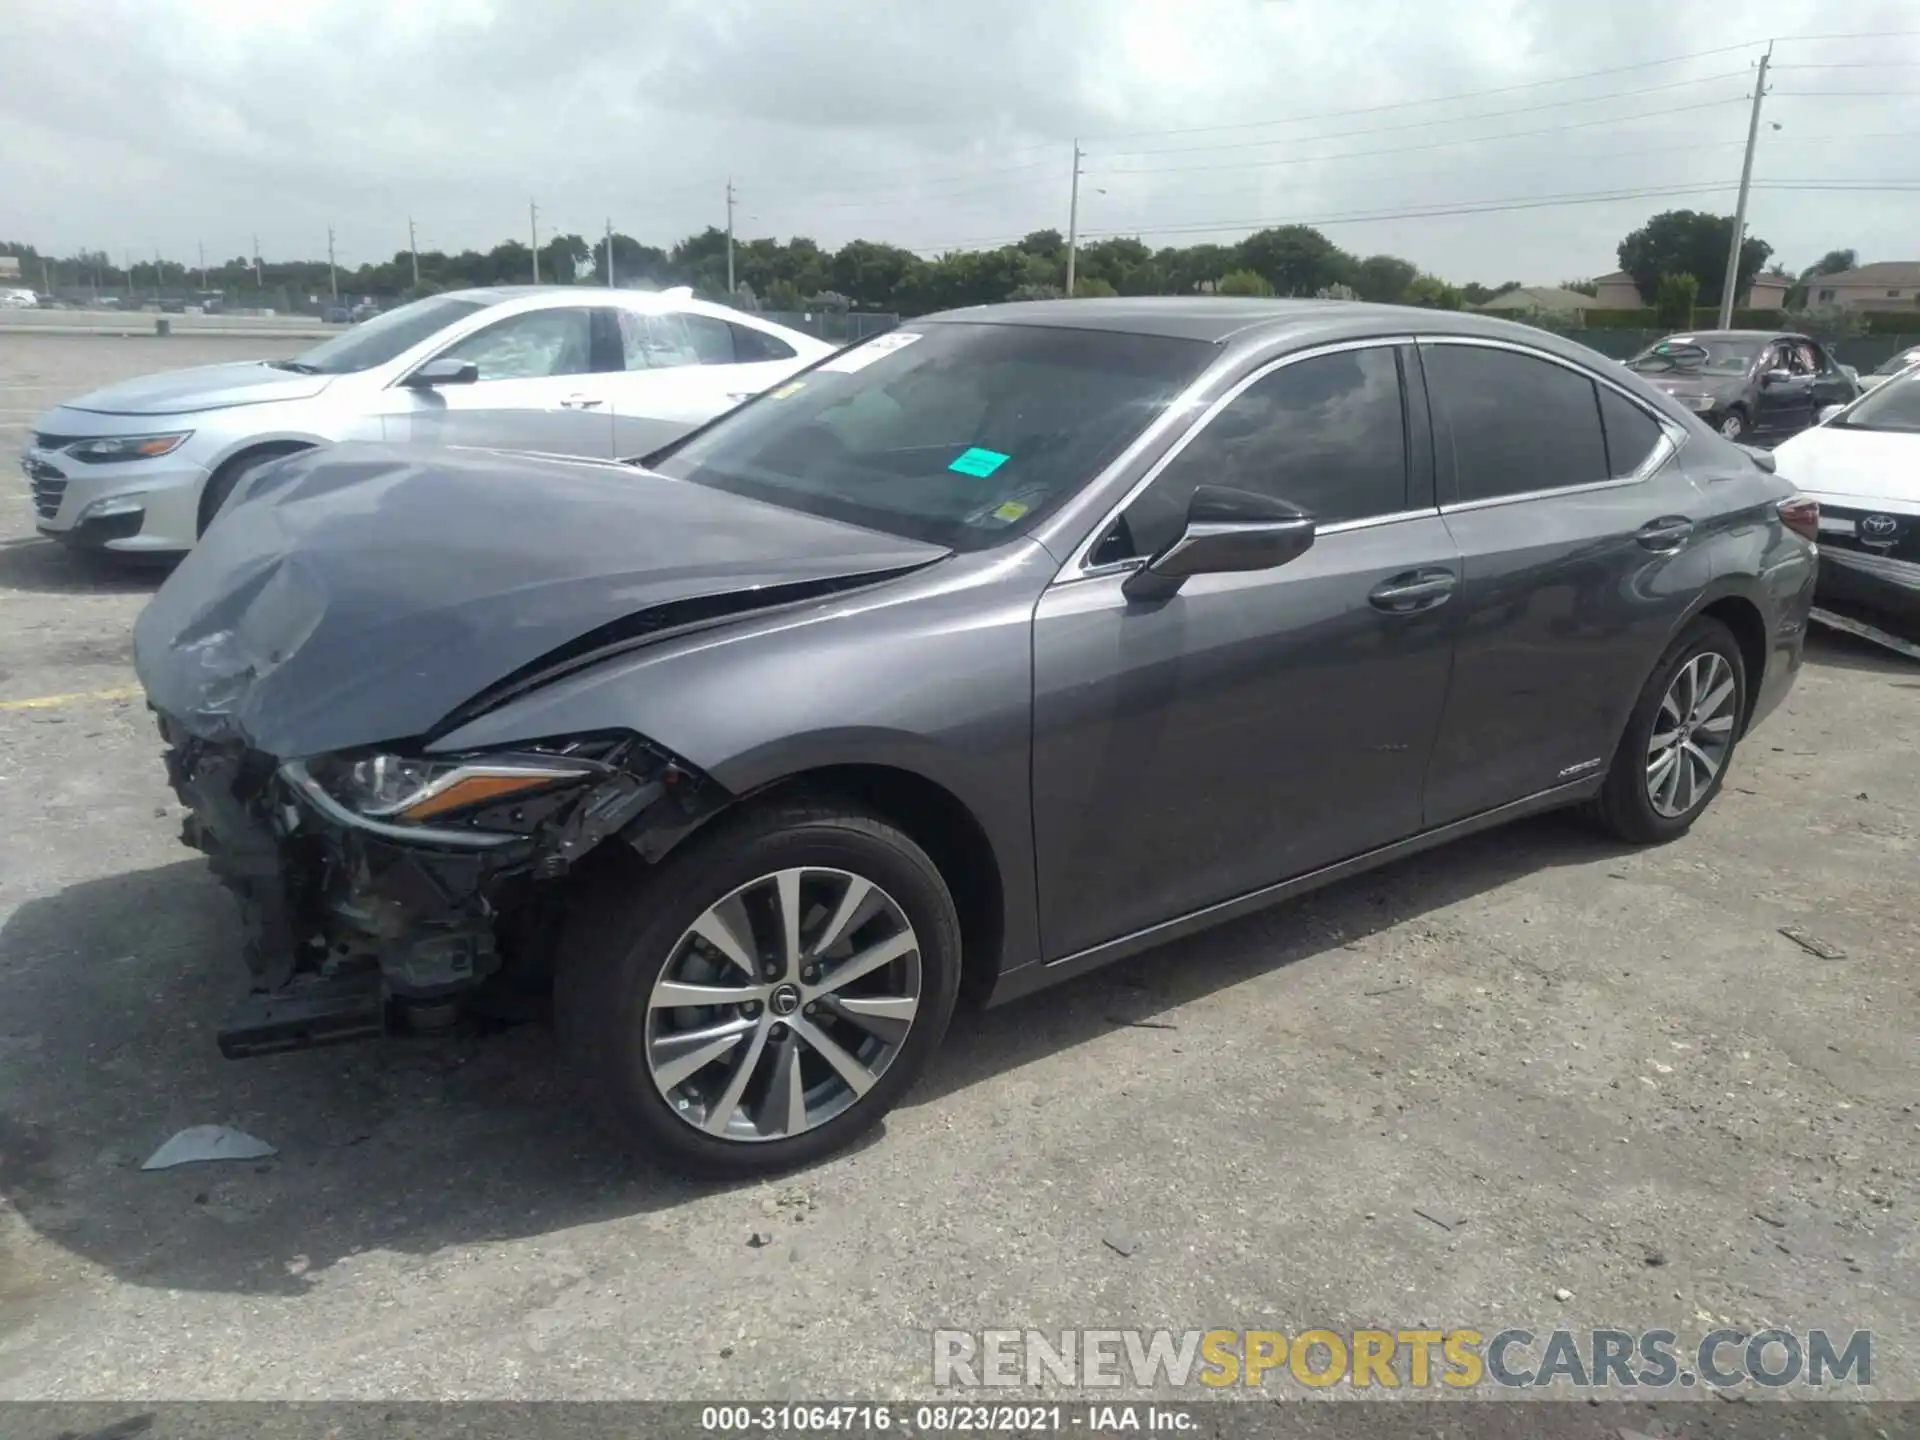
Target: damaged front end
377, 888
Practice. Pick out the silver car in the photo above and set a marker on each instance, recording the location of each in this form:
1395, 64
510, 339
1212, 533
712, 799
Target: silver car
143, 467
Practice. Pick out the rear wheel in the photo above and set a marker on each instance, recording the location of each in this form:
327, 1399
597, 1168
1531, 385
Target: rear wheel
758, 1001
1680, 739
1734, 425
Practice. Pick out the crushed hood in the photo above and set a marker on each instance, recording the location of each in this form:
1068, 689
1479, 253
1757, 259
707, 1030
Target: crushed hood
205, 387
1864, 467
360, 594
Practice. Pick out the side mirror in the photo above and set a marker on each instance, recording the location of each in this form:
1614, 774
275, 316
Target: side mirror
442, 372
1776, 377
1226, 530
1827, 412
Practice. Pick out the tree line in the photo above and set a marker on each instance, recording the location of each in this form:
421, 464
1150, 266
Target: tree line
799, 274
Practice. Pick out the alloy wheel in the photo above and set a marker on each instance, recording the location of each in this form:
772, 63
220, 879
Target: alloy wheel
1733, 427
1692, 734
783, 1004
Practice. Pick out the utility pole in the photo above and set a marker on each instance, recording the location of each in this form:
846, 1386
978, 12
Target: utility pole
533, 221
413, 249
46, 276
1732, 282
610, 252
333, 275
256, 261
1073, 218
129, 274
203, 264
729, 239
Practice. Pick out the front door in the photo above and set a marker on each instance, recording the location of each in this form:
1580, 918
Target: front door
1576, 528
1785, 401
1255, 726
540, 389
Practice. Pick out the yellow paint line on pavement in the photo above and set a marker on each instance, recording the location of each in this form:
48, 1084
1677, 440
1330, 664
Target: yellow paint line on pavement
54, 702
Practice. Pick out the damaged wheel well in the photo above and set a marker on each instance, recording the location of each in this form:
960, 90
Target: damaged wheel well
938, 822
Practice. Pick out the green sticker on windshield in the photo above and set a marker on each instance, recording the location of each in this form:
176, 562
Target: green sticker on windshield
979, 462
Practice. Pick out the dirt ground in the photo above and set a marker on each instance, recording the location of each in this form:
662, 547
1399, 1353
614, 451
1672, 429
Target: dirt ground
1440, 1095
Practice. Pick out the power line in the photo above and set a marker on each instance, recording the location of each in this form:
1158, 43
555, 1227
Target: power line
1440, 99
1445, 120
1469, 140
1841, 94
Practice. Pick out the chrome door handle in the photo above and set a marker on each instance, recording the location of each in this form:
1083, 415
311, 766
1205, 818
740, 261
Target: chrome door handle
1669, 532
580, 402
1415, 590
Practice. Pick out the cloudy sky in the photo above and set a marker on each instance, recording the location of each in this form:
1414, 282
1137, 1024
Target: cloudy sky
137, 125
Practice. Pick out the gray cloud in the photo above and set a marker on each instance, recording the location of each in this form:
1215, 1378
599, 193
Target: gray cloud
144, 124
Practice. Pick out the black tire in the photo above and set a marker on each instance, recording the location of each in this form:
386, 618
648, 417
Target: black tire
1742, 430
620, 937
1623, 805
224, 481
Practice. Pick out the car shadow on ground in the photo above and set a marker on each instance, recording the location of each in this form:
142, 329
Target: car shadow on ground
110, 992
49, 568
1839, 650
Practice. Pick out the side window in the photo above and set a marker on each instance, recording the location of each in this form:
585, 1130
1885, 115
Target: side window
712, 339
1326, 434
1809, 357
750, 345
655, 342
1631, 432
1513, 423
1779, 357
530, 346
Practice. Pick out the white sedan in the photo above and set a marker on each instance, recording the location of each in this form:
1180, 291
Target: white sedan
1862, 464
1893, 366
143, 467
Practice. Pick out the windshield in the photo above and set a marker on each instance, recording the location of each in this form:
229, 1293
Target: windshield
1897, 363
383, 337
954, 433
1696, 355
1892, 406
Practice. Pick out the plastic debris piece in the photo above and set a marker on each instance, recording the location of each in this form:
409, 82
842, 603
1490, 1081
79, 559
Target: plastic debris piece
208, 1142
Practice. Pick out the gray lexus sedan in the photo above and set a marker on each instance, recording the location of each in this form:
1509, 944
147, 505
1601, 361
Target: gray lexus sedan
970, 659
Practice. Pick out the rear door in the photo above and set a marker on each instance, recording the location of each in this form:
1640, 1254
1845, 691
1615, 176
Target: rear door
1254, 726
542, 388
1577, 535
1830, 383
680, 369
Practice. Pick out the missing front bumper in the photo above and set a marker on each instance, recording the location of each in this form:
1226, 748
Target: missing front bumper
346, 924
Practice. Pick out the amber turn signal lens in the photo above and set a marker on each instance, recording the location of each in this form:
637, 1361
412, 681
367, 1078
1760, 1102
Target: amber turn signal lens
474, 790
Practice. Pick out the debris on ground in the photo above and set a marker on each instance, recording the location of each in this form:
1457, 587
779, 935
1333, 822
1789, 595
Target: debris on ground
1120, 1242
1813, 944
760, 1239
199, 1143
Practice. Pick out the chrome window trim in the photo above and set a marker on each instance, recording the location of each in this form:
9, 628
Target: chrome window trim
1672, 435
1077, 567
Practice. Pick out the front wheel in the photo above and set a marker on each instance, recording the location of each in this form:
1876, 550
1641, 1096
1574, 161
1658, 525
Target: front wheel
1734, 425
758, 1001
1679, 740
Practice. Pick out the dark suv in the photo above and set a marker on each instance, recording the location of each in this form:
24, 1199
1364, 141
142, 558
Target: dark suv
1747, 384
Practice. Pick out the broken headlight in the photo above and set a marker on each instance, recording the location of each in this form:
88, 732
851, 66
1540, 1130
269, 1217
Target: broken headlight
399, 789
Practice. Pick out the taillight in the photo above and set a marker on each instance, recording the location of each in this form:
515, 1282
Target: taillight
1801, 514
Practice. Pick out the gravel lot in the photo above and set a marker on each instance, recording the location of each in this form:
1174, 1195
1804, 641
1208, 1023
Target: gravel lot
1435, 1096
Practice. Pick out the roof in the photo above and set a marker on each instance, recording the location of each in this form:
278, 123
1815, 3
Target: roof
1219, 318
1539, 297
1615, 277
1881, 272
